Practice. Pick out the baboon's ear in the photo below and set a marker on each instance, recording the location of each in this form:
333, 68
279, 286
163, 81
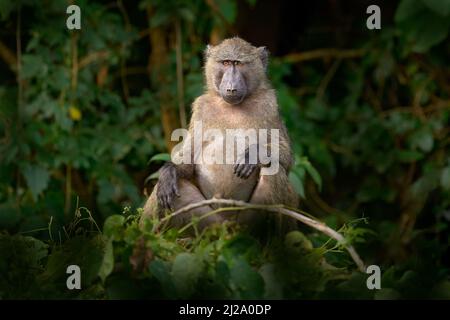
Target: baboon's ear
208, 51
264, 56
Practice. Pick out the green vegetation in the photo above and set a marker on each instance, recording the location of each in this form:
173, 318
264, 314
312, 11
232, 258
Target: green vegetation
129, 262
82, 112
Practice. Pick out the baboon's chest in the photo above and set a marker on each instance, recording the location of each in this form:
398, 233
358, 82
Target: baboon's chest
236, 118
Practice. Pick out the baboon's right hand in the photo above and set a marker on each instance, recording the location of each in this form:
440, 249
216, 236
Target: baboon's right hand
167, 186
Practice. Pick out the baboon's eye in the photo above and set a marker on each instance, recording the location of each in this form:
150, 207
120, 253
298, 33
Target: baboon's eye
226, 62
236, 63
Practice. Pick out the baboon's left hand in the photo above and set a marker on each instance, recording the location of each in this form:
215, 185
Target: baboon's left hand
243, 168
167, 186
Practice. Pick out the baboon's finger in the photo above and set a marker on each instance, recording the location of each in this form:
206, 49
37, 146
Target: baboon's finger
175, 190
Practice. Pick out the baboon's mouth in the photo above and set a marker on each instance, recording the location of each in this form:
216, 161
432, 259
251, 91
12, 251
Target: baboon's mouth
233, 98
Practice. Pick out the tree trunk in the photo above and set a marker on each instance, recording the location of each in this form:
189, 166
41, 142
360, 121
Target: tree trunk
158, 67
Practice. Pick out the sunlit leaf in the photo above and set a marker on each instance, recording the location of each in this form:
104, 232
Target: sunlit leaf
160, 157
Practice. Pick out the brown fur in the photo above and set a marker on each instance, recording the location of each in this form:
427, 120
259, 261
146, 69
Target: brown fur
259, 110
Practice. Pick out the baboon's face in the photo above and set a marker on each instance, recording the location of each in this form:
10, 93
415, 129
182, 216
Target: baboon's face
230, 80
234, 69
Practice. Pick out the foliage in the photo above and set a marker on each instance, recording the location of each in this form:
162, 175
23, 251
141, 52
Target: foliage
126, 261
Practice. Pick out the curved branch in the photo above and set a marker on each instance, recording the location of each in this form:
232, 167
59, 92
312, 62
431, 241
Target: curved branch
296, 214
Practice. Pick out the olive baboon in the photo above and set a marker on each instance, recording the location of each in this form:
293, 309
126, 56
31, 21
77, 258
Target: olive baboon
238, 96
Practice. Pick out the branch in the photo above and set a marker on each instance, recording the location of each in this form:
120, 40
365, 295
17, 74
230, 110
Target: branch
92, 57
180, 80
326, 80
438, 106
241, 205
8, 56
324, 53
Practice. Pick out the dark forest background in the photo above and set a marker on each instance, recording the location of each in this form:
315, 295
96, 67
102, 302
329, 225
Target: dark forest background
86, 117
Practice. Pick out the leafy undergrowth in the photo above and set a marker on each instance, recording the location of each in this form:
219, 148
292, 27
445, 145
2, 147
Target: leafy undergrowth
128, 261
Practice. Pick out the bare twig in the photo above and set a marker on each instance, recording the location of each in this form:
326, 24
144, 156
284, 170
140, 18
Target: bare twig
323, 54
296, 214
326, 80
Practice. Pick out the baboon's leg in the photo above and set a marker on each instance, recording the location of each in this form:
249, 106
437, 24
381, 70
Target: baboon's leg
189, 193
272, 189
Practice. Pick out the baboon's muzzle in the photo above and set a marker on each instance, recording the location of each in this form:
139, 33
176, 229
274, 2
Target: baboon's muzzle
233, 88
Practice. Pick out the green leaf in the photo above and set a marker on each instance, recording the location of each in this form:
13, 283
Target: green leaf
407, 9
186, 270
108, 261
387, 294
160, 18
6, 7
37, 179
441, 7
314, 174
242, 245
422, 139
316, 109
33, 66
441, 291
297, 242
408, 156
160, 157
80, 250
445, 178
249, 283
422, 26
186, 14
228, 10
272, 285
107, 191
297, 184
113, 227
429, 30
154, 175
160, 270
426, 183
